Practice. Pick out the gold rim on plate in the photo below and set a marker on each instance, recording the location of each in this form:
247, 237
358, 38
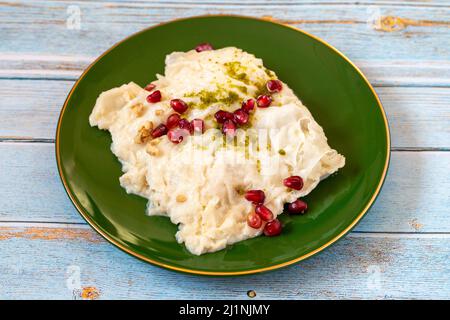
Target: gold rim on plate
212, 273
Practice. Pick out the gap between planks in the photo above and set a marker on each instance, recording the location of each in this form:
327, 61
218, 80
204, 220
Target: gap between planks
70, 78
25, 140
381, 73
10, 226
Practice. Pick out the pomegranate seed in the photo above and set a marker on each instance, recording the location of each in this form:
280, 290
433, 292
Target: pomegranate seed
150, 87
297, 207
159, 131
185, 124
240, 116
203, 47
154, 97
273, 228
173, 120
176, 135
255, 196
178, 105
264, 101
222, 116
229, 128
293, 182
198, 126
254, 221
248, 105
264, 212
274, 85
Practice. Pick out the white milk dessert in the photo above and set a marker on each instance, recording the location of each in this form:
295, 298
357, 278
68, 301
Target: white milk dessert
218, 144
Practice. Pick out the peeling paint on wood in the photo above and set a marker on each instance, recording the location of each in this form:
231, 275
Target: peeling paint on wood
90, 293
416, 224
357, 267
52, 234
392, 23
307, 21
345, 25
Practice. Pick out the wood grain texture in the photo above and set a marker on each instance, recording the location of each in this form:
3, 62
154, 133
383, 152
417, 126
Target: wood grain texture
414, 198
382, 267
397, 43
379, 72
419, 117
30, 109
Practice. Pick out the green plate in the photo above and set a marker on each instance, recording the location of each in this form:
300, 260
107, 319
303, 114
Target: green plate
335, 91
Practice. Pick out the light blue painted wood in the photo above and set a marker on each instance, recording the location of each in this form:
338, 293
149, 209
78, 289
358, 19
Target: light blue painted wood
415, 198
423, 73
419, 117
30, 189
30, 109
422, 35
388, 58
383, 267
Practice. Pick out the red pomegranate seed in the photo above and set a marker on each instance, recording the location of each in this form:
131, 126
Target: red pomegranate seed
159, 131
150, 87
154, 97
274, 85
222, 116
264, 101
176, 135
173, 120
293, 182
254, 221
273, 228
198, 126
255, 196
185, 124
248, 105
297, 207
240, 116
178, 105
229, 128
203, 47
264, 212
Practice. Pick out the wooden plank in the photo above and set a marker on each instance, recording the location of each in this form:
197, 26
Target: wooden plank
379, 35
406, 73
30, 109
381, 266
419, 117
415, 197
30, 187
379, 72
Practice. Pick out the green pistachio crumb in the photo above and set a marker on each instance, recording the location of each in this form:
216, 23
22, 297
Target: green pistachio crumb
237, 71
207, 97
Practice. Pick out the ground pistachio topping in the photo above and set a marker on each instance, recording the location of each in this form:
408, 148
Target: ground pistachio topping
207, 97
236, 70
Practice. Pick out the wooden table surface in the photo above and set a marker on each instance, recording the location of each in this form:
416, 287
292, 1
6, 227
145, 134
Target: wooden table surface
401, 249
